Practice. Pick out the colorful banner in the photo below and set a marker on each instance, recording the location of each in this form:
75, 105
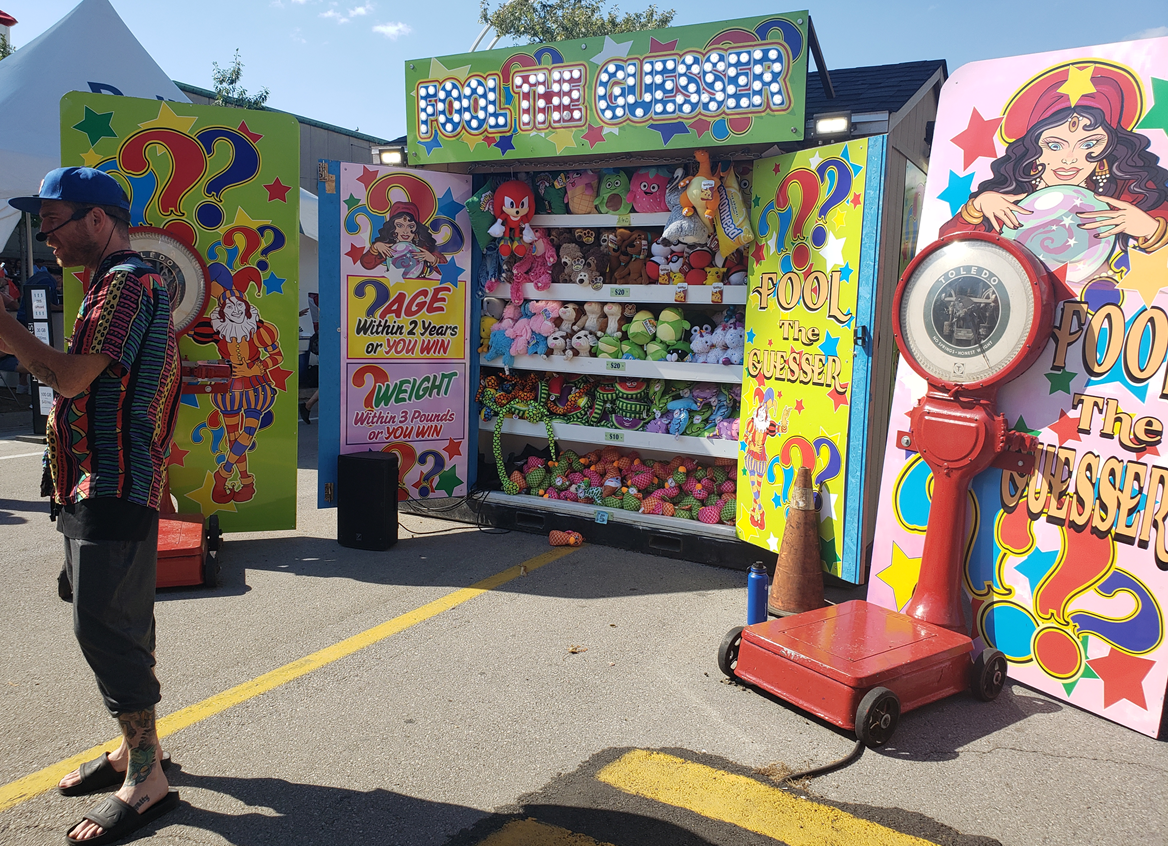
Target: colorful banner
1067, 569
738, 82
796, 390
223, 182
405, 271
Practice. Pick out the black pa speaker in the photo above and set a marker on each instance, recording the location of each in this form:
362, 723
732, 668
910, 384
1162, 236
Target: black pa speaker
367, 485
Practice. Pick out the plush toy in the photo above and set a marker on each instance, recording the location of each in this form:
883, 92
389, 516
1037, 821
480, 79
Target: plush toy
583, 342
615, 320
700, 342
549, 193
699, 195
608, 346
665, 259
480, 208
569, 314
631, 257
655, 350
696, 262
544, 314
538, 345
735, 345
681, 228
486, 324
596, 266
642, 327
647, 190
520, 335
735, 269
611, 193
535, 267
581, 191
585, 237
558, 344
500, 346
514, 205
715, 275
630, 349
593, 319
733, 214
671, 326
490, 269
571, 265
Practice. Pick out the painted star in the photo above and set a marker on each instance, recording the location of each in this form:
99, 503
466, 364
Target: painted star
489, 139
277, 191
167, 118
594, 136
452, 448
778, 168
1036, 565
846, 156
701, 126
1066, 428
773, 543
562, 139
280, 377
1078, 84
1023, 426
178, 456
611, 50
471, 140
757, 198
750, 337
759, 251
846, 272
94, 158
827, 552
368, 177
440, 71
448, 206
857, 201
242, 218
656, 46
1061, 381
1148, 273
839, 218
202, 497
669, 131
777, 501
827, 509
799, 406
833, 251
432, 145
355, 252
1157, 116
253, 137
352, 202
96, 126
448, 481
815, 160
506, 144
830, 345
956, 193
838, 398
1123, 677
901, 575
450, 273
976, 141
273, 284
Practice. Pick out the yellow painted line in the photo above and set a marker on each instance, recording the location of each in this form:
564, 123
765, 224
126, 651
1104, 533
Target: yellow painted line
535, 833
744, 802
32, 785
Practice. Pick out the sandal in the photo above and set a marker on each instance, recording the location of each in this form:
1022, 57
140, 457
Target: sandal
100, 774
121, 820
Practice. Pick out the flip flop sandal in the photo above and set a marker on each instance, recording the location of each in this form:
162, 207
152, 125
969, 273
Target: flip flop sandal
100, 774
119, 819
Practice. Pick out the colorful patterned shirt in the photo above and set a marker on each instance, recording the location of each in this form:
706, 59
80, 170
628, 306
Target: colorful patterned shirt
113, 438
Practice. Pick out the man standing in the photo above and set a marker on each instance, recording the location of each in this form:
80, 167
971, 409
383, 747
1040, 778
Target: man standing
108, 437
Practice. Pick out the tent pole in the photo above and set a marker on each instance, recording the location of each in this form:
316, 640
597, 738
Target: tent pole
26, 246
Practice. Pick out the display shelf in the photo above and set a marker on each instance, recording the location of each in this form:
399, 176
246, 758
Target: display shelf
614, 515
633, 368
575, 433
636, 219
697, 295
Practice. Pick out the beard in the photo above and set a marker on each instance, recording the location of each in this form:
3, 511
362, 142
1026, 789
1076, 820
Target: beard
83, 253
235, 330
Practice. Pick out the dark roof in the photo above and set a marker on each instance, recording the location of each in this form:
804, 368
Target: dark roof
881, 88
372, 139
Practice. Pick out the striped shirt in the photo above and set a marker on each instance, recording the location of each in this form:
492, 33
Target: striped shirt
113, 438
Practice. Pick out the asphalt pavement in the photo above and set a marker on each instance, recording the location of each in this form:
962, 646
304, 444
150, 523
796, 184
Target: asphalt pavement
469, 688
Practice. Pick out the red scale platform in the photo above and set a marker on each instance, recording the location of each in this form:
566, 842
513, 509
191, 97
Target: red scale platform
825, 661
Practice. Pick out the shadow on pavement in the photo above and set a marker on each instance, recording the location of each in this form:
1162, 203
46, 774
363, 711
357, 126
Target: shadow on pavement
9, 507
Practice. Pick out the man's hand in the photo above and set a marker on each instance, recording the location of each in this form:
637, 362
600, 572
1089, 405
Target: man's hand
66, 374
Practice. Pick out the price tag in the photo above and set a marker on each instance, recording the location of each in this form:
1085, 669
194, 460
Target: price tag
45, 396
624, 220
614, 364
40, 305
602, 517
41, 330
716, 293
681, 292
614, 437
619, 293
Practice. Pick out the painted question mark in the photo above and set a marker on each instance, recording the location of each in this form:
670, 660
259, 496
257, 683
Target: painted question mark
363, 374
252, 241
277, 243
380, 294
838, 175
242, 167
353, 226
188, 164
454, 239
425, 483
407, 457
792, 230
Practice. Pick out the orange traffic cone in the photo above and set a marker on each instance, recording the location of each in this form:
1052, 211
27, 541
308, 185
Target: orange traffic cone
798, 582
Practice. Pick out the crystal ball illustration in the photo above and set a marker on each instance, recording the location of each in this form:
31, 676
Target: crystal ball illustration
1052, 231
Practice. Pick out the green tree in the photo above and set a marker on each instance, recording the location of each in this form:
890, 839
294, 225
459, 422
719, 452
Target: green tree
5, 47
563, 20
228, 91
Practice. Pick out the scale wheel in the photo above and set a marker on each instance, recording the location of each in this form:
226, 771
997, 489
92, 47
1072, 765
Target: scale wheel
211, 570
728, 651
877, 716
988, 676
214, 536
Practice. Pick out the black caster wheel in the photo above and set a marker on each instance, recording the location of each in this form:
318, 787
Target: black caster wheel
877, 716
214, 536
728, 651
211, 570
988, 676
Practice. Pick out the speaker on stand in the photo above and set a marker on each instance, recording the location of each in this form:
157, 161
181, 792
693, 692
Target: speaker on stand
367, 486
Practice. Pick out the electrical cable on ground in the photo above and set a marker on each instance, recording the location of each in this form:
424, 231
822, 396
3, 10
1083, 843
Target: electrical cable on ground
851, 757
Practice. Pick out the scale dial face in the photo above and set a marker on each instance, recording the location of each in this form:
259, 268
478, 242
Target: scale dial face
181, 269
966, 312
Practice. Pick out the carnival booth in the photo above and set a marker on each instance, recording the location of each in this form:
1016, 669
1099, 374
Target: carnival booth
626, 286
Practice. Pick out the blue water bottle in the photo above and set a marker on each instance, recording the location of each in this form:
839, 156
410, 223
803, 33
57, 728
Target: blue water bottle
758, 587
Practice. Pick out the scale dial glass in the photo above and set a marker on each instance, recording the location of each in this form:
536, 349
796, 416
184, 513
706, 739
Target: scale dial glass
967, 311
183, 273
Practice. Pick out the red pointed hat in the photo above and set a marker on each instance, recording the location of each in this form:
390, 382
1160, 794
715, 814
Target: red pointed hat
400, 207
1086, 82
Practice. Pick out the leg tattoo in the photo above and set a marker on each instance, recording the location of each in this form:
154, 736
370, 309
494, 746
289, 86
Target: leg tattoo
142, 739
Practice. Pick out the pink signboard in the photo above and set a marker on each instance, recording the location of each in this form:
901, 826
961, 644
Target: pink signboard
1067, 571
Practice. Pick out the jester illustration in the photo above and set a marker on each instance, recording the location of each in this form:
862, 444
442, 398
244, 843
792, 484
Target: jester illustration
758, 428
404, 243
1075, 184
252, 348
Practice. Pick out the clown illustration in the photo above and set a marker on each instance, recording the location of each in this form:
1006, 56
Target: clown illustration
404, 245
251, 346
1075, 184
757, 429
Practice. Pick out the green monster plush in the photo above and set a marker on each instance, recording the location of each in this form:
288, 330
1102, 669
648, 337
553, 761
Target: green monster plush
642, 327
608, 347
481, 211
671, 326
611, 192
633, 350
656, 351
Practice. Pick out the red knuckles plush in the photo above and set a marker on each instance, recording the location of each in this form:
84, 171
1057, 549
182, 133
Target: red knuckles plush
514, 206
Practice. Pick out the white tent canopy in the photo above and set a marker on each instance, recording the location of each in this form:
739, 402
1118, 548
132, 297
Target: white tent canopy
90, 49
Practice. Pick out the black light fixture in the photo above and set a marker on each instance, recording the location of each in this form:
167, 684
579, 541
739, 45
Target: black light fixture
833, 124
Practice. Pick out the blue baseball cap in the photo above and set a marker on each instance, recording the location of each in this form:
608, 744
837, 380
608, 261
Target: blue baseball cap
84, 185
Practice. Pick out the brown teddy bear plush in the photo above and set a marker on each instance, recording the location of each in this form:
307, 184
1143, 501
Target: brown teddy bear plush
571, 265
596, 266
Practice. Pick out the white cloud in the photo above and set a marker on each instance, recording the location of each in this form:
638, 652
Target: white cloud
361, 10
297, 37
1154, 32
335, 15
393, 30
277, 4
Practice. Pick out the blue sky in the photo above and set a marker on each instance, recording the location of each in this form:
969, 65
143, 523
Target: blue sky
342, 62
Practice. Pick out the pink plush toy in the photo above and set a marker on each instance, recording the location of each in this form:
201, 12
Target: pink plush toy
535, 267
543, 316
520, 335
